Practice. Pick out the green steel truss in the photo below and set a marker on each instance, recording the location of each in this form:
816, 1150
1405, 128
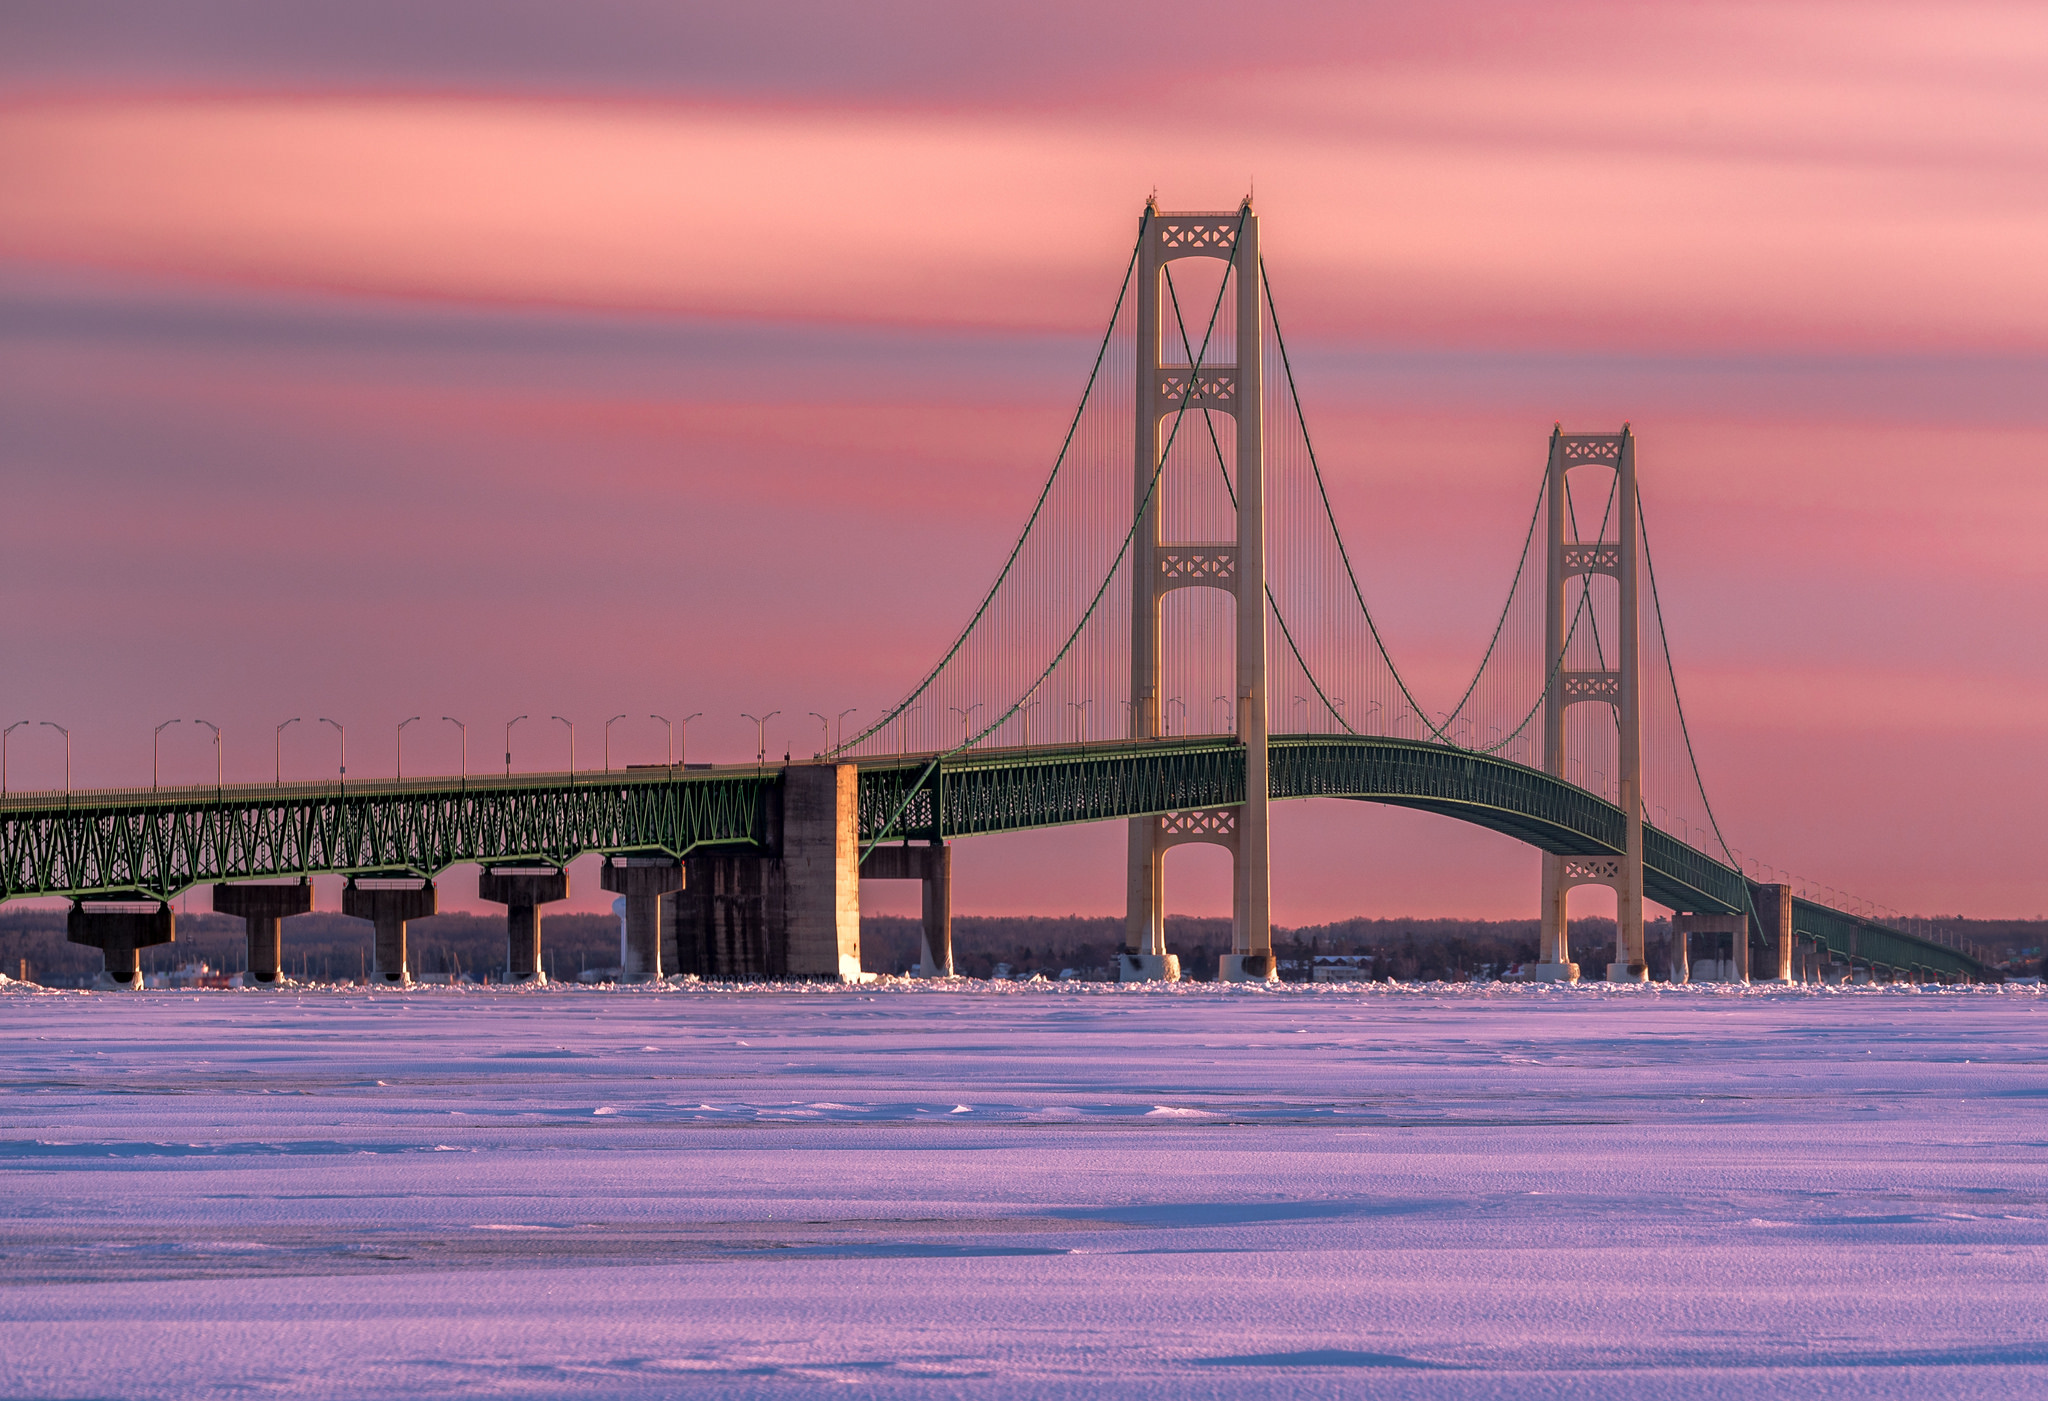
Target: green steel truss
1017, 789
160, 844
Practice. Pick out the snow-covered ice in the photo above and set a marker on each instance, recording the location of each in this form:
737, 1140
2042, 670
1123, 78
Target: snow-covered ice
1473, 1192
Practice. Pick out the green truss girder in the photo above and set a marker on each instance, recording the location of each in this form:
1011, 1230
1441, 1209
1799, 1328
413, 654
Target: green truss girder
1016, 790
160, 845
1855, 940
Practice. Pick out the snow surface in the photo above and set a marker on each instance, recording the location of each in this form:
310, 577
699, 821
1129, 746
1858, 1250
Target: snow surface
1003, 1191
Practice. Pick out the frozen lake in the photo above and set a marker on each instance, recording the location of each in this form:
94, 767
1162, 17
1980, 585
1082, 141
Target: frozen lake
1506, 1192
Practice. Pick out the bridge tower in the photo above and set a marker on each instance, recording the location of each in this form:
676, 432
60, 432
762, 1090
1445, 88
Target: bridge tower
1618, 685
1237, 566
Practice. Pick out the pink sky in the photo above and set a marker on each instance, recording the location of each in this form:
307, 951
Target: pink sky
627, 358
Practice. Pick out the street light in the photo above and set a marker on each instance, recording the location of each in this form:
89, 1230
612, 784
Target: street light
156, 744
465, 743
966, 716
1302, 700
683, 756
760, 735
572, 746
824, 729
216, 753
401, 746
277, 753
839, 727
1229, 715
670, 724
3, 751
608, 739
1172, 701
343, 731
1082, 719
1024, 714
67, 752
508, 743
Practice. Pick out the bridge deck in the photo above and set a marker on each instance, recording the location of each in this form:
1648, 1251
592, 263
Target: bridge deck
160, 842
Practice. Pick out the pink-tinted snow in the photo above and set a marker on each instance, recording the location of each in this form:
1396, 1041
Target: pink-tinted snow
1479, 1192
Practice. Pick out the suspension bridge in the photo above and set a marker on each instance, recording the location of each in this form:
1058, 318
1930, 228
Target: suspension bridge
1177, 640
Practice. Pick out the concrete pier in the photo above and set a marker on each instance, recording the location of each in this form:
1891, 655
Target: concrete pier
1247, 968
264, 907
117, 928
522, 890
794, 912
1133, 967
389, 902
643, 880
1773, 906
932, 865
724, 912
1733, 968
820, 870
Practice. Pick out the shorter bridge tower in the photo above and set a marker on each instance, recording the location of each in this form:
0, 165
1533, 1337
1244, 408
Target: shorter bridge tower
1165, 390
1617, 685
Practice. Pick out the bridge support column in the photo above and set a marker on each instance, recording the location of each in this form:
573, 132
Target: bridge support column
820, 870
1554, 963
725, 913
794, 912
1773, 906
643, 880
118, 928
264, 908
933, 867
1167, 388
1735, 928
522, 890
389, 902
1618, 686
1144, 957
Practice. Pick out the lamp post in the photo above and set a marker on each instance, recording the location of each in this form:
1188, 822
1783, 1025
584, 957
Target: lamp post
1172, 701
401, 746
508, 743
839, 728
683, 754
216, 753
1024, 713
824, 730
1229, 715
608, 739
342, 730
67, 753
3, 751
465, 744
1302, 700
760, 735
572, 746
277, 753
1082, 719
966, 718
156, 744
671, 727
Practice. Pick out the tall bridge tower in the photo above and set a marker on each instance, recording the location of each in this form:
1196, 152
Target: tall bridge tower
1617, 685
1165, 390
